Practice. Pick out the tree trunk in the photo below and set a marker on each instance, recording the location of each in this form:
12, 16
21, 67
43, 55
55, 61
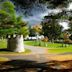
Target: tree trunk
16, 44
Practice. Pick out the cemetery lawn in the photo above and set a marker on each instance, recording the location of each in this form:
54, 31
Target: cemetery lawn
56, 48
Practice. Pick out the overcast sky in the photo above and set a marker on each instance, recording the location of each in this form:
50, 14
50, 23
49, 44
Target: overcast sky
38, 16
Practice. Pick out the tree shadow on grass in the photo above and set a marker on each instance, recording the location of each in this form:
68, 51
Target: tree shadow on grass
17, 65
33, 66
4, 50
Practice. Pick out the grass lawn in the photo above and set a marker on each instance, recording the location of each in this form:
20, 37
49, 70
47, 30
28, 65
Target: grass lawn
3, 46
2, 59
52, 47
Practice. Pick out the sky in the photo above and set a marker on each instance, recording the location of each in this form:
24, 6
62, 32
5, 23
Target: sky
38, 16
70, 6
65, 24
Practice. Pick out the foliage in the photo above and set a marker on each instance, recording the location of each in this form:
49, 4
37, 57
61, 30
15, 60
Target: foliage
51, 29
37, 29
45, 39
9, 22
31, 32
58, 3
24, 30
67, 38
52, 3
8, 7
29, 4
70, 24
34, 30
70, 37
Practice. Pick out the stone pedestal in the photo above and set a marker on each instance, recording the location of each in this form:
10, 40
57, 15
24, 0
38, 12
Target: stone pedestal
15, 43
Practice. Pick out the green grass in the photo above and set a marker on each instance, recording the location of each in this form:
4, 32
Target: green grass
3, 45
27, 51
57, 51
49, 44
2, 59
52, 47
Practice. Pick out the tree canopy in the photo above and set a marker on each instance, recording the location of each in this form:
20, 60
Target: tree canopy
51, 29
34, 30
51, 3
10, 23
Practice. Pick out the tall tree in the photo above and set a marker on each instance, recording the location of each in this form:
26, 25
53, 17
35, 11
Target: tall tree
12, 26
51, 28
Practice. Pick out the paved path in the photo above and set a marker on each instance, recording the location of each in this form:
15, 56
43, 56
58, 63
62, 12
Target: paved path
37, 50
38, 54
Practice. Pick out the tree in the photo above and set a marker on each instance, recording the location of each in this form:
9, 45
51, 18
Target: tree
51, 28
53, 18
31, 31
36, 29
52, 4
12, 26
70, 23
